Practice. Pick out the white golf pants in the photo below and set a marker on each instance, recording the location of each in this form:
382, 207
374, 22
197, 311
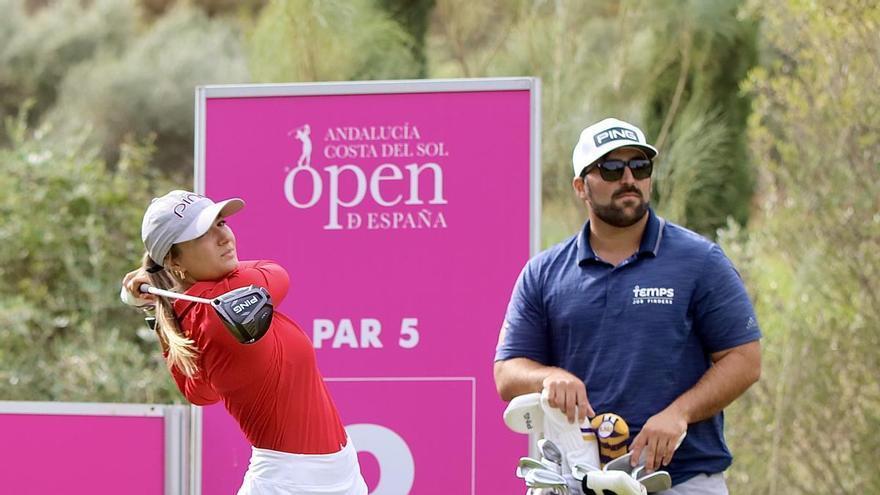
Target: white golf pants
279, 473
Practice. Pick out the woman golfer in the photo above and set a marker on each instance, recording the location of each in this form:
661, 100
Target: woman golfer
271, 387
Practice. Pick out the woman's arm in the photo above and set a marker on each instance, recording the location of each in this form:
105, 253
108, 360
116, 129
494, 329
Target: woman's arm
264, 273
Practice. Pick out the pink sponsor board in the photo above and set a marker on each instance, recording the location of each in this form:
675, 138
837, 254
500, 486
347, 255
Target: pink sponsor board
403, 212
89, 448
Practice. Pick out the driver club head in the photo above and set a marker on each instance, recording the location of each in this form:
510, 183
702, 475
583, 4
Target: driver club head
246, 312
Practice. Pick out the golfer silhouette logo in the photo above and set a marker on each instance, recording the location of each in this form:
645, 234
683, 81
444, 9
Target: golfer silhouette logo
302, 133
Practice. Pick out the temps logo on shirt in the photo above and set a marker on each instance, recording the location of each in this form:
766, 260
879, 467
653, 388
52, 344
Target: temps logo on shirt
653, 295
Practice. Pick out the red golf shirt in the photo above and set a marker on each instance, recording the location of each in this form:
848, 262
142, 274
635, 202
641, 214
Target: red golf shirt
272, 387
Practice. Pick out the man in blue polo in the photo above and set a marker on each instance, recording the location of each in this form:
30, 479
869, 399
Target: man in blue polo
634, 315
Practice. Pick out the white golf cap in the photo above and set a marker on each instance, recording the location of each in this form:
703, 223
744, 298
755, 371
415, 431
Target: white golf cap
604, 137
180, 216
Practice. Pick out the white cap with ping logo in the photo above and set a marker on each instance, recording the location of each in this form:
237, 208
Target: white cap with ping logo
604, 137
180, 216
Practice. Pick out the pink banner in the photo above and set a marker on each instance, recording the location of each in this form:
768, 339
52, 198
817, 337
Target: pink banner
403, 220
48, 453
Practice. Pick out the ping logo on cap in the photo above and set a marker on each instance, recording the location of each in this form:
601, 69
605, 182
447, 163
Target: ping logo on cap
187, 199
613, 134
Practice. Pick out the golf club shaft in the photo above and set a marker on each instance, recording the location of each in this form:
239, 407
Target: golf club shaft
173, 295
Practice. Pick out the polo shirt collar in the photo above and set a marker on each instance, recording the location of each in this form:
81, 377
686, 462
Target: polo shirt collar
649, 246
653, 235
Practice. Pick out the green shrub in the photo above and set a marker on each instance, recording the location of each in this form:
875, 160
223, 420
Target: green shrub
37, 50
70, 231
150, 88
329, 40
811, 257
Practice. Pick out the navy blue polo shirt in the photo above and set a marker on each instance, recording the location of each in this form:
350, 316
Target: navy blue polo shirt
639, 334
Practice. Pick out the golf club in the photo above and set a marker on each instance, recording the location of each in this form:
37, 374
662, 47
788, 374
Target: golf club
656, 481
579, 471
638, 472
246, 312
551, 456
527, 464
544, 478
622, 463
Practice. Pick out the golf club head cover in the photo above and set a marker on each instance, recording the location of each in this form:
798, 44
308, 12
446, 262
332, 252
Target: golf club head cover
524, 413
612, 434
577, 447
654, 482
611, 482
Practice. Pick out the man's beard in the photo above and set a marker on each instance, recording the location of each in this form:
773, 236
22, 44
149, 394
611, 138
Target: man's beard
619, 217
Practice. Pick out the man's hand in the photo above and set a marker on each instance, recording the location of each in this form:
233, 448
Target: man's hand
569, 394
659, 438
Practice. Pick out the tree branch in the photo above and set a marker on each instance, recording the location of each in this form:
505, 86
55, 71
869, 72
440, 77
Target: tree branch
683, 71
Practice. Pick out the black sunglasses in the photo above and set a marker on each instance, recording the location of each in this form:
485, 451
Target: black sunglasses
612, 170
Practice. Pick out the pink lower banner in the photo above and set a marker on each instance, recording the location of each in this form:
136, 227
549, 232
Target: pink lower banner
90, 448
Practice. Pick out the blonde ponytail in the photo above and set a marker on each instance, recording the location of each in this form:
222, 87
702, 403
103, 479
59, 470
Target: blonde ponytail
182, 352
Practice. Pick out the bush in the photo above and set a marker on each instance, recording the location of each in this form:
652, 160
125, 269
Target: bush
37, 51
811, 259
623, 59
150, 88
71, 230
330, 40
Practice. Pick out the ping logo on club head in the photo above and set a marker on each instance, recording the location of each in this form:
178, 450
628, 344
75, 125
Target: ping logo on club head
245, 303
613, 134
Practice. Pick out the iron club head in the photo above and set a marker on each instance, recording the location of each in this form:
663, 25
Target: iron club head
527, 464
656, 481
622, 463
544, 478
550, 451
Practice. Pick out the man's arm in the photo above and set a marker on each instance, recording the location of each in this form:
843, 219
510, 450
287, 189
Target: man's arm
525, 333
518, 376
732, 372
